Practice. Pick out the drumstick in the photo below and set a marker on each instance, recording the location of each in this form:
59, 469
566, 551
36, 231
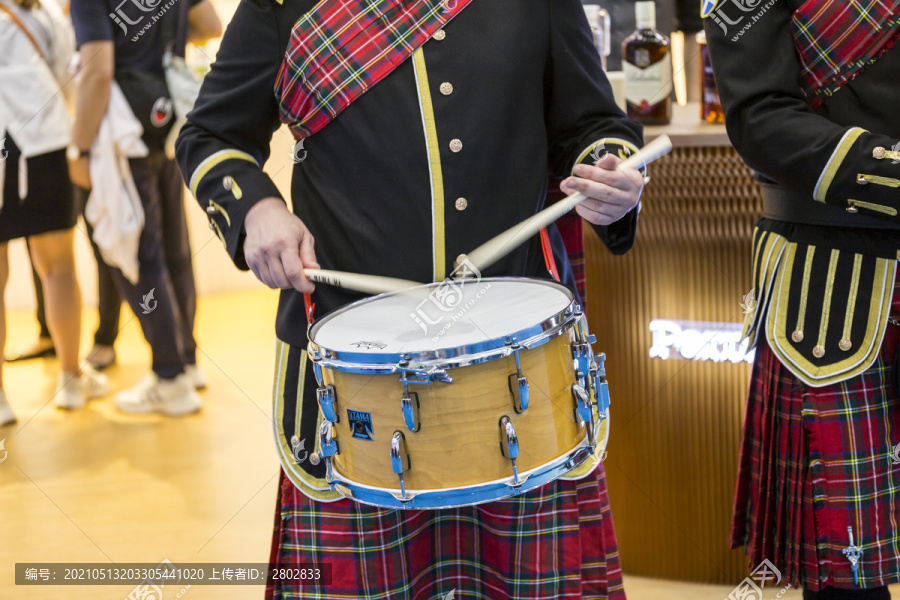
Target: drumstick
368, 284
498, 247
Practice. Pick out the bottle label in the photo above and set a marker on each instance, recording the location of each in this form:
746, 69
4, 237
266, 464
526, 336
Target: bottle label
648, 86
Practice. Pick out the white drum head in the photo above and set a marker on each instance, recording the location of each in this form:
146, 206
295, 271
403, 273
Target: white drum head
440, 316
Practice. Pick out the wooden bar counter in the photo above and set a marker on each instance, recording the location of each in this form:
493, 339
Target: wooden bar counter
675, 423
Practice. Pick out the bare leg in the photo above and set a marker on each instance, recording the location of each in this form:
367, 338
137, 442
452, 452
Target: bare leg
53, 256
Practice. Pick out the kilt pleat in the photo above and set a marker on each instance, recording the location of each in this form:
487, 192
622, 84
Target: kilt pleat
557, 541
815, 461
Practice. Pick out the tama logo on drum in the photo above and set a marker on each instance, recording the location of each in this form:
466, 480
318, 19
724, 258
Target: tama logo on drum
360, 424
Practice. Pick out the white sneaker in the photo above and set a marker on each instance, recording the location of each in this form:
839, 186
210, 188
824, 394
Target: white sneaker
6, 414
197, 377
172, 397
75, 390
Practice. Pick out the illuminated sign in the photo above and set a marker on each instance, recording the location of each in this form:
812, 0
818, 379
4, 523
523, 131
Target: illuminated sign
698, 340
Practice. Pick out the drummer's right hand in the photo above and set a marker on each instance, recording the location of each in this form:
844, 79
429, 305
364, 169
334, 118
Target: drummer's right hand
278, 246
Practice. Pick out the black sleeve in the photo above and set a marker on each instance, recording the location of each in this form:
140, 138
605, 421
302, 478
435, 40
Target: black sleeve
225, 143
91, 21
581, 111
771, 124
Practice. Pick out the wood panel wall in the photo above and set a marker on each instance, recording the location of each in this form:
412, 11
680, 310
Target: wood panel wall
675, 424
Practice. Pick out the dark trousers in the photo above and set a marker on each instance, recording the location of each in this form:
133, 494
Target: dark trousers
166, 268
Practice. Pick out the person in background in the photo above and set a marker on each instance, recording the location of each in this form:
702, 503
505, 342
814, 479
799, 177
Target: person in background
134, 59
35, 50
811, 91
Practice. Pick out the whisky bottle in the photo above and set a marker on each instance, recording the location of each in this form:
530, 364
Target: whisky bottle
647, 67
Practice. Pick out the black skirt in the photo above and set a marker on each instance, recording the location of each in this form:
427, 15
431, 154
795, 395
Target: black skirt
49, 204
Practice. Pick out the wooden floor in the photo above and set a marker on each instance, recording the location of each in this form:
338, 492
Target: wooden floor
94, 485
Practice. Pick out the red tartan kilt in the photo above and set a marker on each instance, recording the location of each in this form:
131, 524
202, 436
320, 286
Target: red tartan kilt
556, 542
815, 461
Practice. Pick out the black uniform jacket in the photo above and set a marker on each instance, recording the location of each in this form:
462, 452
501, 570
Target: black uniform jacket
823, 291
446, 152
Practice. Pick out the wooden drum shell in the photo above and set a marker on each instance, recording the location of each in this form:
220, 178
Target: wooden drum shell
459, 440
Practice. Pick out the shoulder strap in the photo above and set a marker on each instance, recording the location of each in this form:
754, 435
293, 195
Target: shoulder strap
24, 29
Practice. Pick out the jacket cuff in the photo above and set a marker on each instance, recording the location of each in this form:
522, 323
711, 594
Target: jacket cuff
227, 184
619, 236
621, 148
862, 176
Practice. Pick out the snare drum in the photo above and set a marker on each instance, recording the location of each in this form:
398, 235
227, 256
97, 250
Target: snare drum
457, 393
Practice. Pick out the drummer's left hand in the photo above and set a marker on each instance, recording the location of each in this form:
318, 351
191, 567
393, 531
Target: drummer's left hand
611, 191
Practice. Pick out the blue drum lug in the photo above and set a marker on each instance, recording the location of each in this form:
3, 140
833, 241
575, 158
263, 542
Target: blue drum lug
439, 374
519, 388
409, 402
317, 369
584, 412
509, 446
581, 353
400, 462
328, 446
601, 387
408, 376
521, 392
326, 396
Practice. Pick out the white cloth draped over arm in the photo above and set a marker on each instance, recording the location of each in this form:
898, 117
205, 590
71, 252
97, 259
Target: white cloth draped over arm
114, 208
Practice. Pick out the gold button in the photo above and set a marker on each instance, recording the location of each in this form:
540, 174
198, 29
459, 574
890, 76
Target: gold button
439, 35
212, 226
446, 88
460, 260
879, 152
845, 344
862, 180
852, 209
295, 441
797, 336
211, 210
455, 145
819, 351
227, 182
461, 203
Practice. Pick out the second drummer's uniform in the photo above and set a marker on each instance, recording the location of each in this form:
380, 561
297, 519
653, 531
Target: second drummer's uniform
811, 95
444, 153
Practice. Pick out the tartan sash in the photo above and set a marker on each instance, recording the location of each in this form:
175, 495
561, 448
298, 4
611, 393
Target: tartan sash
836, 39
342, 48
